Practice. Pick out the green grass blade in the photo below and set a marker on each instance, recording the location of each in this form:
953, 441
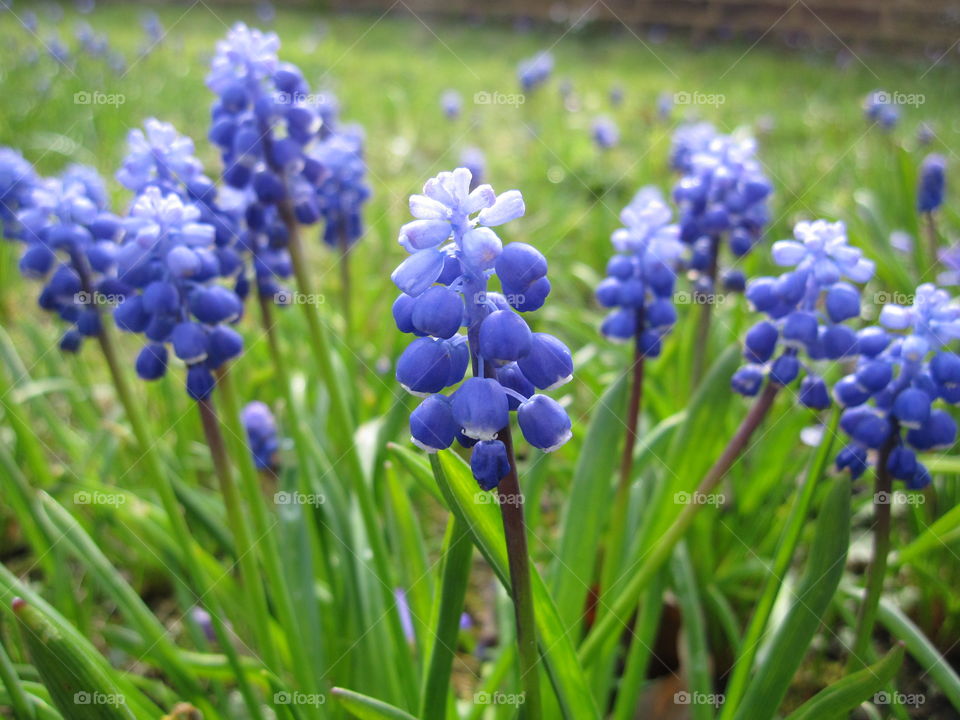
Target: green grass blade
840, 698
825, 567
367, 708
694, 633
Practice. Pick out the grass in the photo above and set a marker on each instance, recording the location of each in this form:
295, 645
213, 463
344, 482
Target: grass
64, 430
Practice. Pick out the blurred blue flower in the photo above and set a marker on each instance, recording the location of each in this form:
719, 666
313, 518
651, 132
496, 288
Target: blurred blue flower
878, 107
605, 133
535, 71
342, 188
688, 139
158, 155
444, 284
17, 180
261, 429
452, 103
932, 182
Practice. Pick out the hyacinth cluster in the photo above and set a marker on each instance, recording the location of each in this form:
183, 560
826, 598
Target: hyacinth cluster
688, 140
879, 108
605, 133
535, 71
17, 179
722, 194
261, 429
641, 276
932, 183
444, 289
281, 152
806, 307
900, 374
69, 241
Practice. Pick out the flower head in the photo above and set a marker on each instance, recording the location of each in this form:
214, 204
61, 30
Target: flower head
605, 133
444, 284
342, 188
17, 180
261, 429
932, 182
878, 107
158, 155
452, 103
535, 71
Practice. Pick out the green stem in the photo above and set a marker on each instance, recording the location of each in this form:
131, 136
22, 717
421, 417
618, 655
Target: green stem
781, 562
345, 284
662, 548
258, 617
457, 553
867, 616
19, 702
511, 510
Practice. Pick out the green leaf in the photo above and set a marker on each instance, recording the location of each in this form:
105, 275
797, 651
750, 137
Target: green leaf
825, 566
368, 708
839, 699
478, 511
577, 554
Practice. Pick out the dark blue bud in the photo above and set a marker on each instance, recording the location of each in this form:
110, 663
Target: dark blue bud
512, 378
932, 181
548, 364
842, 302
854, 459
88, 322
102, 255
874, 375
785, 369
945, 369
403, 313
489, 463
161, 297
902, 463
452, 269
650, 343
761, 294
268, 187
71, 341
620, 325
424, 366
544, 423
520, 264
152, 361
608, 292
872, 430
620, 267
532, 298
223, 344
233, 98
813, 393
130, 316
939, 431
200, 382
734, 281
159, 327
849, 392
64, 283
438, 312
458, 349
504, 337
747, 380
839, 341
189, 342
660, 278
631, 293
432, 426
480, 408
872, 341
36, 261
920, 479
760, 342
791, 287
660, 314
237, 175
214, 304
911, 407
800, 328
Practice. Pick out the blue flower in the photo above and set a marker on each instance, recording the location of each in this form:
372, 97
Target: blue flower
932, 181
341, 188
452, 103
17, 180
688, 140
444, 283
159, 155
535, 71
878, 107
904, 376
640, 278
169, 258
806, 308
605, 133
261, 429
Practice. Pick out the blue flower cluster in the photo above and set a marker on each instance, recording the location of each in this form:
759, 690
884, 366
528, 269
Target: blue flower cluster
17, 180
807, 308
535, 71
889, 399
722, 193
452, 104
342, 188
261, 429
69, 242
932, 183
444, 284
688, 140
878, 107
605, 133
169, 259
641, 276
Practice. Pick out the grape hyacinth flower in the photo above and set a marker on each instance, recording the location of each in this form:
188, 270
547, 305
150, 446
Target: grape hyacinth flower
452, 103
879, 108
169, 257
932, 182
17, 180
535, 71
806, 309
688, 140
261, 429
641, 276
444, 284
70, 245
341, 188
903, 369
605, 133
